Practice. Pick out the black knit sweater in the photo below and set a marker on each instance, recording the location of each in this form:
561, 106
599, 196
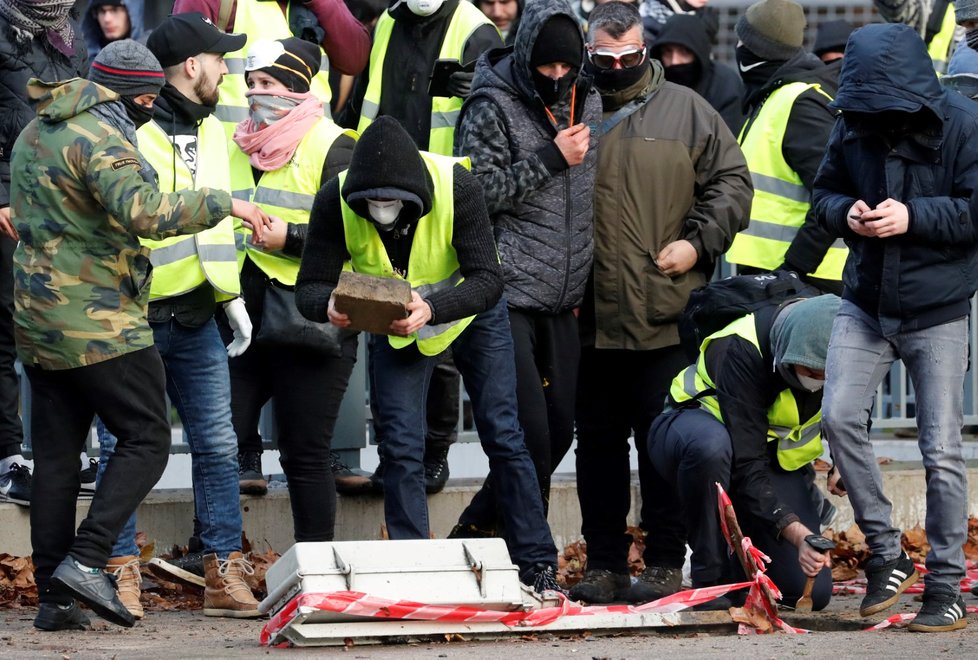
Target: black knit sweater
325, 252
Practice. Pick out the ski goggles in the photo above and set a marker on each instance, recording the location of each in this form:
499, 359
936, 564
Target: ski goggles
627, 59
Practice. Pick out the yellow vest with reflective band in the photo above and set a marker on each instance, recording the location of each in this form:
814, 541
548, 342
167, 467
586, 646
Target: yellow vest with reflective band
940, 44
288, 193
433, 265
259, 20
444, 110
781, 200
183, 263
799, 443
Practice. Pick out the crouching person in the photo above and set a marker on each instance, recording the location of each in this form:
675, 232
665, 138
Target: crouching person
398, 212
747, 415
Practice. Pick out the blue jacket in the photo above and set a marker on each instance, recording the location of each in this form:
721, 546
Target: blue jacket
925, 156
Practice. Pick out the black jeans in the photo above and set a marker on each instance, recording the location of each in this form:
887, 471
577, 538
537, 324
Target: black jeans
442, 407
620, 393
11, 430
547, 350
691, 450
306, 390
127, 393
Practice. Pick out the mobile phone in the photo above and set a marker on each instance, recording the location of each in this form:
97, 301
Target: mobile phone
441, 72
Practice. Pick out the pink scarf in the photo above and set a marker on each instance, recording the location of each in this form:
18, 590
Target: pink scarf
270, 146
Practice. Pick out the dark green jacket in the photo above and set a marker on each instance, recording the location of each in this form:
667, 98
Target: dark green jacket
81, 198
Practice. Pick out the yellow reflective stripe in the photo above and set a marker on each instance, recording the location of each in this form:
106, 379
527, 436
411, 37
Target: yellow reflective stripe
231, 113
236, 65
444, 119
770, 231
769, 184
369, 109
243, 194
284, 199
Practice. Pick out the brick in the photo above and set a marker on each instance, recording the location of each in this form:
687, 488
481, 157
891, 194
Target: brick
371, 302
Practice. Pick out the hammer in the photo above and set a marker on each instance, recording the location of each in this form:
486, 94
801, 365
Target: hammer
821, 544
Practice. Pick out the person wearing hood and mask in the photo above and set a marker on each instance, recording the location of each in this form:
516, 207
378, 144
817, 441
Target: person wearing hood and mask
81, 324
292, 149
672, 190
683, 47
409, 39
898, 183
788, 91
110, 20
746, 415
417, 216
188, 148
526, 129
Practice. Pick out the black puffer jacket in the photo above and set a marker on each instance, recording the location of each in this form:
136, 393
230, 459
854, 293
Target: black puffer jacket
19, 62
540, 208
718, 84
926, 276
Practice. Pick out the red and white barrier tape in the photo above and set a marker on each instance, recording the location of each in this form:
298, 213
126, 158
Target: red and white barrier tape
355, 603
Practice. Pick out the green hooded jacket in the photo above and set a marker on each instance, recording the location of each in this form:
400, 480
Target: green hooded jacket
81, 198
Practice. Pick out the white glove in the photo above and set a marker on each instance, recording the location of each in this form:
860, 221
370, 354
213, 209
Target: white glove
238, 319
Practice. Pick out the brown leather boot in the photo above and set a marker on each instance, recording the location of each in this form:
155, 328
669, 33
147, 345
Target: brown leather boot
226, 593
129, 582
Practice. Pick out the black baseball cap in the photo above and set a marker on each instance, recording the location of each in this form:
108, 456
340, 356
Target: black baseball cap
185, 35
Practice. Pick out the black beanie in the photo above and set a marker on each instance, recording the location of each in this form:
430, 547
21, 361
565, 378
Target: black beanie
832, 36
95, 4
559, 40
295, 62
386, 165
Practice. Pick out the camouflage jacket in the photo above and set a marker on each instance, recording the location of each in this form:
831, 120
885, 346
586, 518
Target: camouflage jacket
81, 198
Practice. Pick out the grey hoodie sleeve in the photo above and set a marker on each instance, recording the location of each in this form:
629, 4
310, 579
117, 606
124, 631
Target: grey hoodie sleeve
482, 136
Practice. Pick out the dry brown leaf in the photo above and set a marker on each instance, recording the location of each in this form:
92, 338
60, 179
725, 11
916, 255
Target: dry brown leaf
751, 617
842, 573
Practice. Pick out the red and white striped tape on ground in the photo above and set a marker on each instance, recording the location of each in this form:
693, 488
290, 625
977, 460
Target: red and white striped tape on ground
900, 620
355, 603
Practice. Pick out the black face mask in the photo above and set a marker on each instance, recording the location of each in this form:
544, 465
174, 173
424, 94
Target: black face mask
553, 91
615, 80
137, 113
971, 38
754, 70
687, 75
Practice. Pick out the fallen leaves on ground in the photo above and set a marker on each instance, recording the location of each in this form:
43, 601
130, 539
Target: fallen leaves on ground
17, 587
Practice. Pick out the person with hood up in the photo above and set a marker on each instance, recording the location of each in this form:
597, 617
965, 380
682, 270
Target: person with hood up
672, 190
291, 149
526, 128
788, 91
898, 183
400, 213
81, 325
110, 20
683, 46
746, 415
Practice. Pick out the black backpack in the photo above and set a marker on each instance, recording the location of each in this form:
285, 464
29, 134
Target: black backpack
716, 305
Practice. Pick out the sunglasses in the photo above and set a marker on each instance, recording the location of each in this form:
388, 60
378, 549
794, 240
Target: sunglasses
606, 59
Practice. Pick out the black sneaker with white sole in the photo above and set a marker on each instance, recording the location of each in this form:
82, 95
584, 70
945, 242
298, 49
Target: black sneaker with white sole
187, 570
943, 610
15, 485
885, 581
542, 578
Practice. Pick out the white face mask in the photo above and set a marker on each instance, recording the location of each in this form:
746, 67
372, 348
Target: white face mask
810, 384
384, 212
424, 7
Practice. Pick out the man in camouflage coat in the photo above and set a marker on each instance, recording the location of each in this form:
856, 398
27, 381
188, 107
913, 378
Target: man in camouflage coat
81, 197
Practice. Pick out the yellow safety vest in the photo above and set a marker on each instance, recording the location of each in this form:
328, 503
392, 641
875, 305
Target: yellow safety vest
183, 263
781, 200
429, 270
289, 192
940, 44
444, 110
799, 443
258, 20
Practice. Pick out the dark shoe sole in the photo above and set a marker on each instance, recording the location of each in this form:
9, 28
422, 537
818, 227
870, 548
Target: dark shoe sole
892, 600
54, 624
167, 571
353, 484
253, 487
957, 625
97, 606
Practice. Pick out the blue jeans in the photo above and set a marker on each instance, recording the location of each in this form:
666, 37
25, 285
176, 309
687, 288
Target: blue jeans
485, 359
936, 359
197, 381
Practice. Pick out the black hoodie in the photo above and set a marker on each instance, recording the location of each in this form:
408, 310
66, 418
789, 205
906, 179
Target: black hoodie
718, 84
386, 164
803, 147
